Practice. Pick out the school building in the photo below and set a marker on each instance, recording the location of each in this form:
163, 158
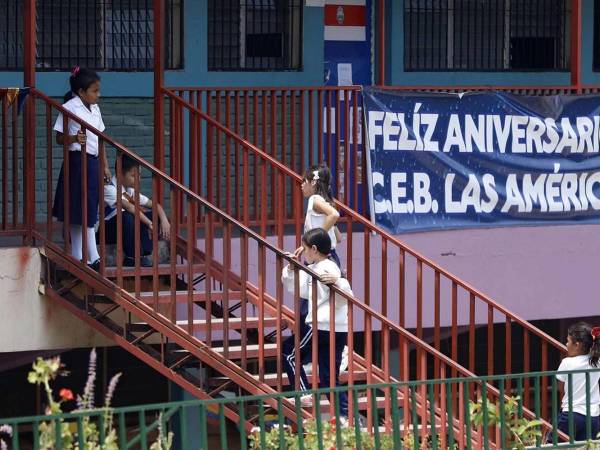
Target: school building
245, 96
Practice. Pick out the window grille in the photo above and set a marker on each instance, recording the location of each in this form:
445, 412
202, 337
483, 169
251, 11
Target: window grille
254, 35
490, 35
98, 34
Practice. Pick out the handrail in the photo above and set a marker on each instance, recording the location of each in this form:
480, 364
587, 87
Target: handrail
170, 92
463, 432
250, 88
199, 119
489, 87
299, 266
201, 349
188, 341
155, 171
252, 398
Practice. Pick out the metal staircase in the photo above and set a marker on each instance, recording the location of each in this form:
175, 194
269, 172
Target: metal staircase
212, 322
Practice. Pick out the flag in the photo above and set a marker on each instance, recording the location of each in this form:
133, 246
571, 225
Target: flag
345, 20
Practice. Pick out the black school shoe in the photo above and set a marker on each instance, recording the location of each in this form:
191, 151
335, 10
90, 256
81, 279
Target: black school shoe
145, 261
95, 265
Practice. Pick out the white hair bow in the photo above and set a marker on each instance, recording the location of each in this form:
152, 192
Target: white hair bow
315, 175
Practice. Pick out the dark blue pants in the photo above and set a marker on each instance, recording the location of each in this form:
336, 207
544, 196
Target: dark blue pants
324, 342
129, 234
579, 425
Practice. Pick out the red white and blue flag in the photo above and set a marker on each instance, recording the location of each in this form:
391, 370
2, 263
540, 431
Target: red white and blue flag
345, 20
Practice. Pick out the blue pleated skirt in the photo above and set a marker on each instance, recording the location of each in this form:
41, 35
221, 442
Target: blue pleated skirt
75, 198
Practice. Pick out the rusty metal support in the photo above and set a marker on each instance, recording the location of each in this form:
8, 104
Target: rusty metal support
159, 102
29, 40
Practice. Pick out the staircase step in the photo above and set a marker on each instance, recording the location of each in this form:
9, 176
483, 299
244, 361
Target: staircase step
359, 375
163, 269
234, 323
182, 296
235, 351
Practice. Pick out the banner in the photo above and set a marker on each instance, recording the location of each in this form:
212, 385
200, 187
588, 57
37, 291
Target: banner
441, 161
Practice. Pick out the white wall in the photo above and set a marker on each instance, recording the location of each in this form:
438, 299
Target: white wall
30, 321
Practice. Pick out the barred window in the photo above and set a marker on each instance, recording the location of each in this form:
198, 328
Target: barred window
491, 35
99, 34
254, 35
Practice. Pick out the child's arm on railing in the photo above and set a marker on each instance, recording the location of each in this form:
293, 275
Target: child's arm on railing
69, 139
165, 226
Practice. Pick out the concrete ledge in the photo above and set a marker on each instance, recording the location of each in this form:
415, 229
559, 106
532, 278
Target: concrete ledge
30, 321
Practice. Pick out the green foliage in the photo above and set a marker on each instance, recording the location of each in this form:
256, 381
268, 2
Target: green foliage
520, 432
162, 442
328, 438
43, 372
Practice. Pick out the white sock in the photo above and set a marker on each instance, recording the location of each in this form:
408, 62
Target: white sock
76, 241
92, 249
77, 244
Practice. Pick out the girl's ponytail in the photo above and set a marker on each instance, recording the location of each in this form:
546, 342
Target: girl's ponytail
595, 349
80, 79
321, 175
589, 338
68, 96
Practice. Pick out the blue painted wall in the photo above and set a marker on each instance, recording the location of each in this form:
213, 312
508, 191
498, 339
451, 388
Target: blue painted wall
397, 76
195, 73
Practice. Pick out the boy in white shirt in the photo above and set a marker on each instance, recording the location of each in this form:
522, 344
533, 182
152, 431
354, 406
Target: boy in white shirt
129, 172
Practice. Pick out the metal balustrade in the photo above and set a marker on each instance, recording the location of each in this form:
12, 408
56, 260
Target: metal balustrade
431, 425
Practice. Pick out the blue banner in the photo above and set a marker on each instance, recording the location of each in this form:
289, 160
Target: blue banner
442, 161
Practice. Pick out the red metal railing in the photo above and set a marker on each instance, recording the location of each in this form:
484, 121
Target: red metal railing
389, 277
299, 127
12, 205
207, 250
181, 313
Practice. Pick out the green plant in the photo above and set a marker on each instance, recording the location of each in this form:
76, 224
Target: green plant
43, 372
162, 442
520, 432
5, 430
327, 436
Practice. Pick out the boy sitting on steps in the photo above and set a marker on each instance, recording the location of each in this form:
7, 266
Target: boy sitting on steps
129, 172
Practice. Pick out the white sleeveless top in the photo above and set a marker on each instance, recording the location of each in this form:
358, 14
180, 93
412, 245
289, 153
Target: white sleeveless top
314, 219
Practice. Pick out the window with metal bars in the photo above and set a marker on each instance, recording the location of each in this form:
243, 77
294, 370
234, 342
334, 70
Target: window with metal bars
98, 34
491, 35
254, 35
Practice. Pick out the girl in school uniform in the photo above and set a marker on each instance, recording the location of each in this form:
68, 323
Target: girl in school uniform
316, 247
583, 353
320, 213
82, 101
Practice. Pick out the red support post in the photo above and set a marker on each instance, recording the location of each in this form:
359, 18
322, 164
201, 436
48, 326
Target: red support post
159, 103
29, 40
381, 23
576, 45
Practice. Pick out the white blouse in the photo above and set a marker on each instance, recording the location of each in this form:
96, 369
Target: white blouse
314, 219
92, 117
